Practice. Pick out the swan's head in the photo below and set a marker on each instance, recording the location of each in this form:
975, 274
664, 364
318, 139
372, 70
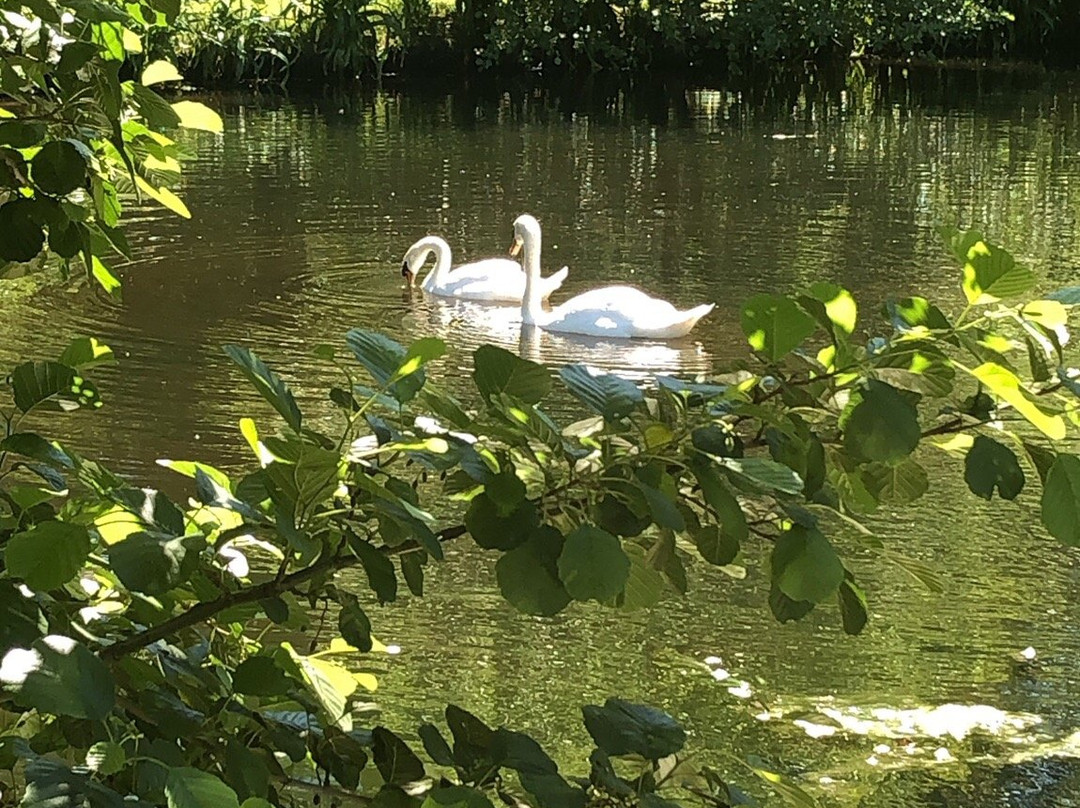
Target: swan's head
417, 255
407, 273
526, 228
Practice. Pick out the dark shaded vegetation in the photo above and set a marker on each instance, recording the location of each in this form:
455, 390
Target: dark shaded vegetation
225, 42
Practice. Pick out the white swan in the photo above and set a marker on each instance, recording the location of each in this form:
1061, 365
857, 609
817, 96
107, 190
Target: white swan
611, 311
498, 279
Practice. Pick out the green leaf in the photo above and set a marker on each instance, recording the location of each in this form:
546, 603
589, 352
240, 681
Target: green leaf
612, 396
805, 565
1041, 458
1004, 384
990, 272
791, 794
522, 753
21, 236
728, 511
836, 305
384, 358
592, 564
663, 510
774, 325
528, 575
884, 426
186, 787
623, 728
1061, 500
159, 71
194, 115
644, 584
245, 771
505, 490
106, 757
989, 465
785, 609
331, 685
612, 515
59, 676
353, 623
715, 545
261, 676
899, 484
86, 352
62, 387
916, 312
268, 383
51, 784
154, 564
456, 797
155, 110
435, 745
59, 168
853, 609
48, 555
396, 762
22, 134
492, 530
496, 370
765, 473
379, 568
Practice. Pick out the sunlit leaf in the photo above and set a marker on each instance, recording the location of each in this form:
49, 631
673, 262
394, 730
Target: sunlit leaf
59, 676
48, 555
194, 115
158, 72
1004, 384
775, 325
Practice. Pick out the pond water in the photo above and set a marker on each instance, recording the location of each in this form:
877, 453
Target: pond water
302, 212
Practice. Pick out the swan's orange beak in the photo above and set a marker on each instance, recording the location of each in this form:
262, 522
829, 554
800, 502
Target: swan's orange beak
407, 273
515, 248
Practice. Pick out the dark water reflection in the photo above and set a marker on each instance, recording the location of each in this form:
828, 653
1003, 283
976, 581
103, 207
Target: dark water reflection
303, 209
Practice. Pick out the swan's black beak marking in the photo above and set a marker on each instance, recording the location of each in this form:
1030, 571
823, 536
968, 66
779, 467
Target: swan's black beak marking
406, 273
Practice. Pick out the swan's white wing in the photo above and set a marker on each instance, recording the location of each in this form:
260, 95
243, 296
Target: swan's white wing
623, 311
490, 279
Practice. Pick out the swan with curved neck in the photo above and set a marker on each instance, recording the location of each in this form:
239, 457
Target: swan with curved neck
496, 279
610, 311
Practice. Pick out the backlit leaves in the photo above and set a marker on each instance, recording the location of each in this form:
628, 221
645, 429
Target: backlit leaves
48, 555
774, 325
496, 370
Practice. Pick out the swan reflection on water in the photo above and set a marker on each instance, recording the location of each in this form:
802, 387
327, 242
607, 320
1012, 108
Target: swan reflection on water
466, 325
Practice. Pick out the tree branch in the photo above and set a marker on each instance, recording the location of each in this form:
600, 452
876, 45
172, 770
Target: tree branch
202, 612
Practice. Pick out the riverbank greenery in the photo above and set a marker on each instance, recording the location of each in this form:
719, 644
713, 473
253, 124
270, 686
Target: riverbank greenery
231, 41
163, 651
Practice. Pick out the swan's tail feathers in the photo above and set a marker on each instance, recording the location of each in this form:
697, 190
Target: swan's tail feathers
693, 315
555, 280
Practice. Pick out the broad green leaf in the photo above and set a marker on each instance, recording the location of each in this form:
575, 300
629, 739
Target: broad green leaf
528, 575
1041, 458
106, 757
883, 426
396, 762
268, 383
839, 306
992, 274
87, 352
505, 490
1061, 500
728, 511
245, 771
59, 168
21, 236
155, 110
644, 584
154, 564
592, 565
989, 465
435, 745
51, 784
612, 515
383, 358
48, 555
764, 473
379, 568
805, 566
717, 546
60, 386
158, 72
190, 468
331, 685
1004, 384
353, 623
164, 197
261, 676
623, 728
785, 609
612, 396
522, 753
898, 484
496, 370
774, 325
194, 115
916, 365
186, 787
853, 608
494, 531
59, 676
1047, 313
105, 278
662, 508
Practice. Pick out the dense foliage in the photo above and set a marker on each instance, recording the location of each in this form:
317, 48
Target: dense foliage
149, 645
231, 40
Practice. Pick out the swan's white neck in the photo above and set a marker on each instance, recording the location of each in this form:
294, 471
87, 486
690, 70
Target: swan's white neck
427, 246
532, 307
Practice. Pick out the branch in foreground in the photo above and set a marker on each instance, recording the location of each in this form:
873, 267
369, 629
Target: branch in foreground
272, 588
